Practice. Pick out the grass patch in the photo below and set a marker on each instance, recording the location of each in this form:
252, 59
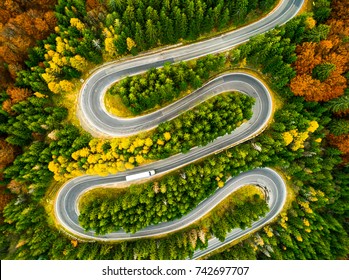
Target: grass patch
291, 194
307, 7
70, 102
48, 201
115, 106
101, 193
240, 195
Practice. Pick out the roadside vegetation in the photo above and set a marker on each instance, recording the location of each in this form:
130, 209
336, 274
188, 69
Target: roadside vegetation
46, 45
162, 200
308, 139
175, 195
160, 86
199, 126
316, 225
22, 23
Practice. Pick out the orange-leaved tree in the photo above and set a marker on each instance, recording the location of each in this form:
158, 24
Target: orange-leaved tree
321, 66
341, 142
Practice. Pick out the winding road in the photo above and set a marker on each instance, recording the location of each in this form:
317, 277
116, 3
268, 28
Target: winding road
95, 119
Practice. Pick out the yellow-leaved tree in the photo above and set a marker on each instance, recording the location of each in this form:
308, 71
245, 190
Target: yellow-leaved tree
75, 22
130, 43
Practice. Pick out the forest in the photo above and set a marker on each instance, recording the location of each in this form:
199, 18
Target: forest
47, 45
194, 128
168, 199
163, 85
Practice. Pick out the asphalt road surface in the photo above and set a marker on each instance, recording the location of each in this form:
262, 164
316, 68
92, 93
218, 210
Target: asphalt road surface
99, 122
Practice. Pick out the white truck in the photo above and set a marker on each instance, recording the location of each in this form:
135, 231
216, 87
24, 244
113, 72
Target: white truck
141, 175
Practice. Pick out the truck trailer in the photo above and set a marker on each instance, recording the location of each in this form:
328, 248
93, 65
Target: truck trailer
141, 175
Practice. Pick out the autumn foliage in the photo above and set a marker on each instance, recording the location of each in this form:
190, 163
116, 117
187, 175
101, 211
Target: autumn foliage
11, 8
4, 199
22, 23
15, 95
340, 10
339, 35
7, 153
92, 4
341, 142
321, 65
